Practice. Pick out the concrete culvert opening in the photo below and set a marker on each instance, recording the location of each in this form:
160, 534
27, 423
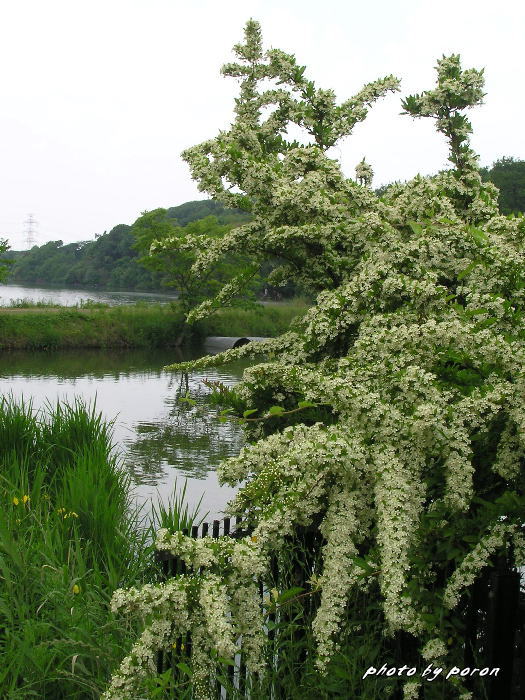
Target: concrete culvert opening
217, 343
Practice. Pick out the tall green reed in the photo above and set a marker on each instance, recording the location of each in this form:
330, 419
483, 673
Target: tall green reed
175, 515
68, 537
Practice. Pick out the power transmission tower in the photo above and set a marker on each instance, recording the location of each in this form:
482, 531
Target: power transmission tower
31, 224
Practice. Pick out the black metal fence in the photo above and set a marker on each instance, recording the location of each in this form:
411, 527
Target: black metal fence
493, 617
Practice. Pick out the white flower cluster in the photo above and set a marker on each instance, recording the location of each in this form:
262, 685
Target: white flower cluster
213, 599
519, 548
216, 610
343, 528
413, 356
434, 649
364, 173
141, 661
411, 690
465, 574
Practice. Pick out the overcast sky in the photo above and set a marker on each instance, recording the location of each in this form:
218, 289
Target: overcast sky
99, 98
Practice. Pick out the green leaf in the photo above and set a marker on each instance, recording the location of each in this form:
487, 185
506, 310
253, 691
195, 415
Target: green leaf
306, 404
249, 412
341, 673
484, 324
275, 410
184, 668
470, 539
416, 228
186, 399
432, 619
226, 662
363, 564
290, 593
468, 269
478, 235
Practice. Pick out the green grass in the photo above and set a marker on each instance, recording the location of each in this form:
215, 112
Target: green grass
137, 325
42, 327
68, 538
25, 303
268, 320
176, 515
29, 304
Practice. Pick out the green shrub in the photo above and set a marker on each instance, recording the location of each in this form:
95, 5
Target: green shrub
69, 536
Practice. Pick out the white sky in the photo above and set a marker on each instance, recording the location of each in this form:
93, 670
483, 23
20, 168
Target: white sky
99, 98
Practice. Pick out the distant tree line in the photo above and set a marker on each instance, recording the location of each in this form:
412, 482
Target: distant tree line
111, 261
115, 261
508, 174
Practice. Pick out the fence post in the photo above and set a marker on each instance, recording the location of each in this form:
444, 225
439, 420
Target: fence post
502, 621
279, 577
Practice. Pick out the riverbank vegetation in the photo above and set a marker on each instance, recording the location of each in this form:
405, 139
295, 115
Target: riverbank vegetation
68, 536
46, 327
388, 420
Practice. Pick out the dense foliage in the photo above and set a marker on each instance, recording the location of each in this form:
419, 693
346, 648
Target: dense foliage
390, 417
193, 211
108, 262
508, 174
4, 262
111, 261
173, 266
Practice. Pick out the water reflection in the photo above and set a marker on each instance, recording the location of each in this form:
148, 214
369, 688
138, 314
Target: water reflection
109, 363
193, 445
189, 438
159, 437
70, 297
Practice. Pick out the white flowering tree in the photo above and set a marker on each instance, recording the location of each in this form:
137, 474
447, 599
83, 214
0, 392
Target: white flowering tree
392, 416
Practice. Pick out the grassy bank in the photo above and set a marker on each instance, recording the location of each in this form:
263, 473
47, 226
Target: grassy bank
137, 325
268, 320
67, 539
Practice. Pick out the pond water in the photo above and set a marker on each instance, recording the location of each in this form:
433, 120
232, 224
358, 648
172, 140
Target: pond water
159, 438
70, 297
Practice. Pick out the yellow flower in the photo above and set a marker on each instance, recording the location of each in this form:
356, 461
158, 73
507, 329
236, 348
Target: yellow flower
76, 589
61, 510
25, 498
73, 514
253, 538
15, 501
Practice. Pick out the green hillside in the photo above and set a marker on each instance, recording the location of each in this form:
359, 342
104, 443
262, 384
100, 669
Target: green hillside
109, 261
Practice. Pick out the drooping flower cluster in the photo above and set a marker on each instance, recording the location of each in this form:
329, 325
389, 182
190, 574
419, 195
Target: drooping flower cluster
410, 364
216, 602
